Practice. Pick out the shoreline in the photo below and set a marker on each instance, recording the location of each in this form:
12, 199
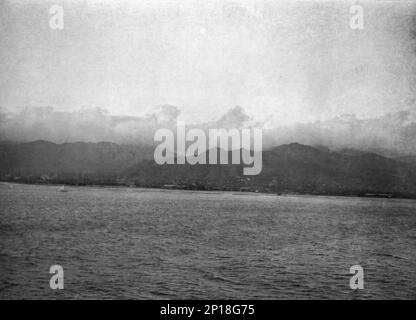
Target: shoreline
368, 195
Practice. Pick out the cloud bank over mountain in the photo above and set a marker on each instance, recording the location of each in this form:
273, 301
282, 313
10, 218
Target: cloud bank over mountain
90, 125
392, 133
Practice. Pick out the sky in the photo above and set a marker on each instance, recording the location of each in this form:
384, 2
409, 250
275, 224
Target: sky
283, 62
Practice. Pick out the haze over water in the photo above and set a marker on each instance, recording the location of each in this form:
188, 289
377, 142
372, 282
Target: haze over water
157, 244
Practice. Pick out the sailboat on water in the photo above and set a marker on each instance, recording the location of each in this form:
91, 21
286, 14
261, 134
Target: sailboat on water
62, 189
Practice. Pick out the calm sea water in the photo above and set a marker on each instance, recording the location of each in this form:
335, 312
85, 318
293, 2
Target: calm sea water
154, 244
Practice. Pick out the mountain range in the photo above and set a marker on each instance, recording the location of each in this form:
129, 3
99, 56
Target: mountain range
289, 168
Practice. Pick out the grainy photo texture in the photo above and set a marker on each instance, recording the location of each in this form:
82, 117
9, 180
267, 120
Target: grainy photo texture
246, 149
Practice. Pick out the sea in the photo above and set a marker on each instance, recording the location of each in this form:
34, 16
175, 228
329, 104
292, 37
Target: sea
132, 243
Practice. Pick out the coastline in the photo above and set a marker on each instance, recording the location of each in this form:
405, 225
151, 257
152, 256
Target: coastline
370, 195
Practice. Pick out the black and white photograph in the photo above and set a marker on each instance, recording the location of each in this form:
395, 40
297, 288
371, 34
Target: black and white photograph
223, 150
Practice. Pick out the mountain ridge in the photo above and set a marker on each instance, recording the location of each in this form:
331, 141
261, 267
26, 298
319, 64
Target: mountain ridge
287, 168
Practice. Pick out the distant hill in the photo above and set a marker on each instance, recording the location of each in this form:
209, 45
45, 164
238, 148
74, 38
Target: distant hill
408, 159
286, 168
293, 168
306, 169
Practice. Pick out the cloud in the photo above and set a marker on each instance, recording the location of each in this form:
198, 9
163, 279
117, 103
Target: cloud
392, 133
166, 113
233, 118
92, 125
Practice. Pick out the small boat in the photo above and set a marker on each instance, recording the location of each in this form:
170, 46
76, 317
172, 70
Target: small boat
62, 189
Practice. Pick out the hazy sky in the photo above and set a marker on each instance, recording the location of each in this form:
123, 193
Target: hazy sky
282, 61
